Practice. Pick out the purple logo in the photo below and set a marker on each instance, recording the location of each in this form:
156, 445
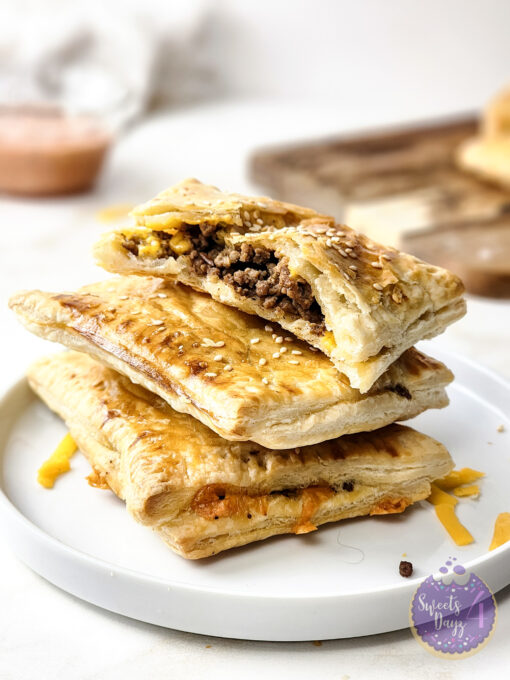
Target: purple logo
453, 613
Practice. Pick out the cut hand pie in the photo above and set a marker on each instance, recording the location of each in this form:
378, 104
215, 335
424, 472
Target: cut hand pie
359, 302
240, 377
203, 494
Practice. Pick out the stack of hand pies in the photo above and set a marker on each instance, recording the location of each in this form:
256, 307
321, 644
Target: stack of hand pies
242, 374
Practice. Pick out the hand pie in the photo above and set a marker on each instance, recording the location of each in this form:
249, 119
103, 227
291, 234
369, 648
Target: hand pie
203, 494
240, 377
362, 304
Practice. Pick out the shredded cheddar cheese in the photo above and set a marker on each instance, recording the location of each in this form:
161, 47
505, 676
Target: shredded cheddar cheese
459, 478
446, 514
149, 248
438, 497
57, 463
501, 530
465, 491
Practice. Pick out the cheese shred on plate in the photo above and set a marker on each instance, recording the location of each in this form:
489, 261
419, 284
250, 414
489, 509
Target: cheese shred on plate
444, 505
501, 530
458, 478
57, 463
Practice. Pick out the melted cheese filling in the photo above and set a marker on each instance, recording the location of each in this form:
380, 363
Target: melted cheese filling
57, 463
216, 500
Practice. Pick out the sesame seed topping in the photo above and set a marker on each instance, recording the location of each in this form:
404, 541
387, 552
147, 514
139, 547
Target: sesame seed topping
276, 355
283, 350
353, 255
260, 221
268, 329
123, 297
246, 215
256, 214
181, 347
156, 322
330, 232
262, 361
342, 252
376, 265
162, 295
348, 250
248, 224
210, 375
254, 341
335, 239
288, 339
353, 267
328, 243
296, 351
265, 381
377, 286
279, 340
293, 361
340, 233
218, 357
227, 367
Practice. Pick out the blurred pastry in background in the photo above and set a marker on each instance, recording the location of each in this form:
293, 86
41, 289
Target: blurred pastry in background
44, 151
488, 154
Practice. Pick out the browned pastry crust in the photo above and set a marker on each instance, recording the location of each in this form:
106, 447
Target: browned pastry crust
203, 494
361, 303
240, 377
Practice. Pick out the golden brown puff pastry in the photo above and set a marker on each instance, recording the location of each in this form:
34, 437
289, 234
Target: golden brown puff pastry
242, 378
204, 494
359, 302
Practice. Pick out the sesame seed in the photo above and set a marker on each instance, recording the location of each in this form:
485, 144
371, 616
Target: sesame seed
220, 343
123, 297
377, 286
268, 329
297, 352
181, 347
276, 355
293, 361
385, 257
328, 242
313, 349
279, 340
376, 265
500, 428
353, 267
353, 255
335, 239
255, 227
330, 232
256, 214
246, 215
340, 233
254, 341
162, 295
283, 350
342, 252
262, 362
348, 250
227, 367
210, 375
259, 221
156, 322
248, 224
346, 276
265, 381
218, 357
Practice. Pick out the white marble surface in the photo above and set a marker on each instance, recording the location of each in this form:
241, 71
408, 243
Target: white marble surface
45, 633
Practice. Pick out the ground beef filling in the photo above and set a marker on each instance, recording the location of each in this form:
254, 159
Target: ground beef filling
254, 272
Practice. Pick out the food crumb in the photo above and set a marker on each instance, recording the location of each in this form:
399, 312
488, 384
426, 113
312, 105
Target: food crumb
404, 554
405, 569
208, 646
317, 643
500, 428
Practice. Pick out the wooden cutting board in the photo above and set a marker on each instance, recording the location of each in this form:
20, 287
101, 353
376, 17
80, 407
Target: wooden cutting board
402, 187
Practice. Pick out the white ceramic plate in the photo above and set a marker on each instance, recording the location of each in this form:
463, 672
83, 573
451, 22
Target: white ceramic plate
340, 581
